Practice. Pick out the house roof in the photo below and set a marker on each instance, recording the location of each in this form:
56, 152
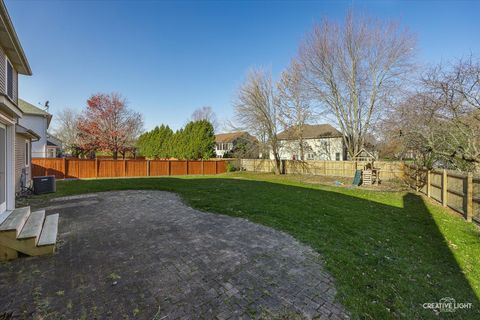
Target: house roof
53, 141
10, 43
30, 109
26, 132
364, 153
229, 137
51, 144
312, 131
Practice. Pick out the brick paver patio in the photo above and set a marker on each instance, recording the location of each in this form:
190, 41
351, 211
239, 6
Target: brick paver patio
146, 255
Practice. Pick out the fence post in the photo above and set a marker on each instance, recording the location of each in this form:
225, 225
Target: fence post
64, 168
169, 167
469, 210
216, 166
148, 168
96, 168
416, 179
343, 169
203, 170
124, 167
444, 188
187, 167
428, 183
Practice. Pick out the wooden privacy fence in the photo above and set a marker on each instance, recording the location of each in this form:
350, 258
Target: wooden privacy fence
68, 168
388, 169
456, 190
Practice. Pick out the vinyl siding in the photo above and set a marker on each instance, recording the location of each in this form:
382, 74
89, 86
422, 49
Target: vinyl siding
15, 86
20, 161
39, 125
3, 71
319, 149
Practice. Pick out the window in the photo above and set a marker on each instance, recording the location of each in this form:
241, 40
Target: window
310, 156
27, 153
51, 153
337, 156
9, 80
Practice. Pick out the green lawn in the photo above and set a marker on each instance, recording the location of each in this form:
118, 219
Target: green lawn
389, 252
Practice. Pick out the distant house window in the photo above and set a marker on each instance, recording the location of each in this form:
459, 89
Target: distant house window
337, 156
51, 153
27, 153
9, 80
310, 156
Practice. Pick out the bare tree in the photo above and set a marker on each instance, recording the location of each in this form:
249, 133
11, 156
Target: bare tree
66, 129
256, 109
352, 70
408, 128
454, 98
441, 121
205, 113
294, 106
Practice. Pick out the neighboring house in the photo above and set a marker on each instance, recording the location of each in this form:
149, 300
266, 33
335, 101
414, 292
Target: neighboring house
54, 146
320, 142
236, 144
23, 156
39, 120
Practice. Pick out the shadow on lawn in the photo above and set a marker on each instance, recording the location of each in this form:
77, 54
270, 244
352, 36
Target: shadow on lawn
387, 260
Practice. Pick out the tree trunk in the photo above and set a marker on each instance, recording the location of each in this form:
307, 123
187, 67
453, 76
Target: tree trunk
115, 155
302, 151
278, 163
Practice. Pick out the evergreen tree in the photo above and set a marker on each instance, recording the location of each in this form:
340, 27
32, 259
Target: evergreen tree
195, 141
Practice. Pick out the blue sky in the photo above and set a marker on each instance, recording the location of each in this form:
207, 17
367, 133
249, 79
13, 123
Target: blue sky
171, 57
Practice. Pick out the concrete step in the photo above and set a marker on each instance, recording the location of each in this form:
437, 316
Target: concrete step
4, 215
15, 221
48, 236
33, 227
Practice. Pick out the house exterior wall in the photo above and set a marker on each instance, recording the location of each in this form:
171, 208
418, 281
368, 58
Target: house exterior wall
20, 163
39, 124
314, 149
222, 148
245, 147
9, 169
3, 72
9, 121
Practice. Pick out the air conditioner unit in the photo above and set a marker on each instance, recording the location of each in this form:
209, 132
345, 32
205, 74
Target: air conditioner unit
45, 184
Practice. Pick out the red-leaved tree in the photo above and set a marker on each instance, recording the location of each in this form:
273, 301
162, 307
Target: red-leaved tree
107, 124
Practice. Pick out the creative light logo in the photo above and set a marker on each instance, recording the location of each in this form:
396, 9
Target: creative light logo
447, 304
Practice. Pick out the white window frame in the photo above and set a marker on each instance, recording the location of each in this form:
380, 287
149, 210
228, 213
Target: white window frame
28, 156
3, 205
49, 150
